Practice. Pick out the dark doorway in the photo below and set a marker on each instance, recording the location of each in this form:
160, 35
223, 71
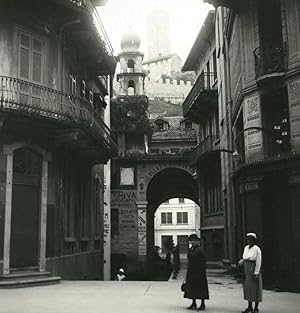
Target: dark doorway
277, 244
183, 244
27, 170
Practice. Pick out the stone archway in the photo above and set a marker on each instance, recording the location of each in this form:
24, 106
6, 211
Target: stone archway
168, 183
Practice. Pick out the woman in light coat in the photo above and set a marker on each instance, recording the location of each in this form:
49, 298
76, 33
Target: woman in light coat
251, 261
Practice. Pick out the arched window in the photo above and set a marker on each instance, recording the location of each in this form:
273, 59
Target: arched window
130, 66
131, 88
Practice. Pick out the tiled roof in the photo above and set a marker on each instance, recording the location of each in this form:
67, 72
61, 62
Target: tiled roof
175, 134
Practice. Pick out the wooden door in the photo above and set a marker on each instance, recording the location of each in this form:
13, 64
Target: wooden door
26, 190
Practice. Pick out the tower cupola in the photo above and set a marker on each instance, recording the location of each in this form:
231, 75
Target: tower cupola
131, 76
130, 41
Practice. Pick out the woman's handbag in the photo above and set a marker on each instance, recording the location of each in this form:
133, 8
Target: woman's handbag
183, 287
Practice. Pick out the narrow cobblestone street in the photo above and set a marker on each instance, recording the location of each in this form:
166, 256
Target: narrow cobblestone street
137, 297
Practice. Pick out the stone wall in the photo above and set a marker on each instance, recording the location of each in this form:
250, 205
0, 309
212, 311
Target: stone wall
173, 91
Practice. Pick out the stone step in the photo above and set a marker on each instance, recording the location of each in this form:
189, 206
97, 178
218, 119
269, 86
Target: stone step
29, 282
214, 265
23, 275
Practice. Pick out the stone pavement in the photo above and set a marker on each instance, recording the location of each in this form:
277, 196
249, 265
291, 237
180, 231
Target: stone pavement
137, 297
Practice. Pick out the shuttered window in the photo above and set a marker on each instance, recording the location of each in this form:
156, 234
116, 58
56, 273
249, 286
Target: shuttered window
31, 58
24, 59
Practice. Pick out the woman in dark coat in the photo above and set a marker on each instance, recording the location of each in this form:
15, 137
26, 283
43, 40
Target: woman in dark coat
196, 281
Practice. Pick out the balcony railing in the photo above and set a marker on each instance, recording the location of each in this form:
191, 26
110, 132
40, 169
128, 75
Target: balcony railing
270, 59
209, 144
205, 81
20, 96
90, 8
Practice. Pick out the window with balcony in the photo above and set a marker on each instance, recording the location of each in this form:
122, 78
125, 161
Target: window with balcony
31, 58
270, 55
31, 66
182, 218
166, 218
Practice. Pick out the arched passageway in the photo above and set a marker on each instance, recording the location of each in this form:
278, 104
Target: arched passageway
166, 184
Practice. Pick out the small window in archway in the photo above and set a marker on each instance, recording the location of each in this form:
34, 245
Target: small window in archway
188, 125
131, 88
130, 66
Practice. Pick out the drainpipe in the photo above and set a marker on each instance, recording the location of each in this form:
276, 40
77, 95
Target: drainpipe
231, 218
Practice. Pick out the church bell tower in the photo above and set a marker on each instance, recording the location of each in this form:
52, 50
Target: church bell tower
131, 77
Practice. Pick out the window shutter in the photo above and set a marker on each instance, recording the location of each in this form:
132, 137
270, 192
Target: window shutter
24, 59
37, 61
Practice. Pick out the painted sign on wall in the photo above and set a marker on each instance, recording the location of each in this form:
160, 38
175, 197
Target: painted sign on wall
124, 201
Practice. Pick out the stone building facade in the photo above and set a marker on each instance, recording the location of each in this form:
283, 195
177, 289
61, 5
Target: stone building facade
53, 140
258, 46
201, 106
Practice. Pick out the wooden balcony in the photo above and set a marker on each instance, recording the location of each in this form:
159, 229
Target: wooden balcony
202, 99
89, 7
211, 144
270, 61
77, 21
71, 122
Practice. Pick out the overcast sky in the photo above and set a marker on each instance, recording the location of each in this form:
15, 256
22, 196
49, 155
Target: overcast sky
186, 18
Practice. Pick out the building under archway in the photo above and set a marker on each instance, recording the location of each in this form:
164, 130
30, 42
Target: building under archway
166, 184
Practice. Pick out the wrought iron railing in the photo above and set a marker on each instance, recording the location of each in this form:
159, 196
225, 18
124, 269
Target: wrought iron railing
209, 144
205, 81
270, 59
90, 8
19, 96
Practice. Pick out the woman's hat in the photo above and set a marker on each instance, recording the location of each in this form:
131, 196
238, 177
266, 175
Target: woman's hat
251, 235
193, 237
121, 271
